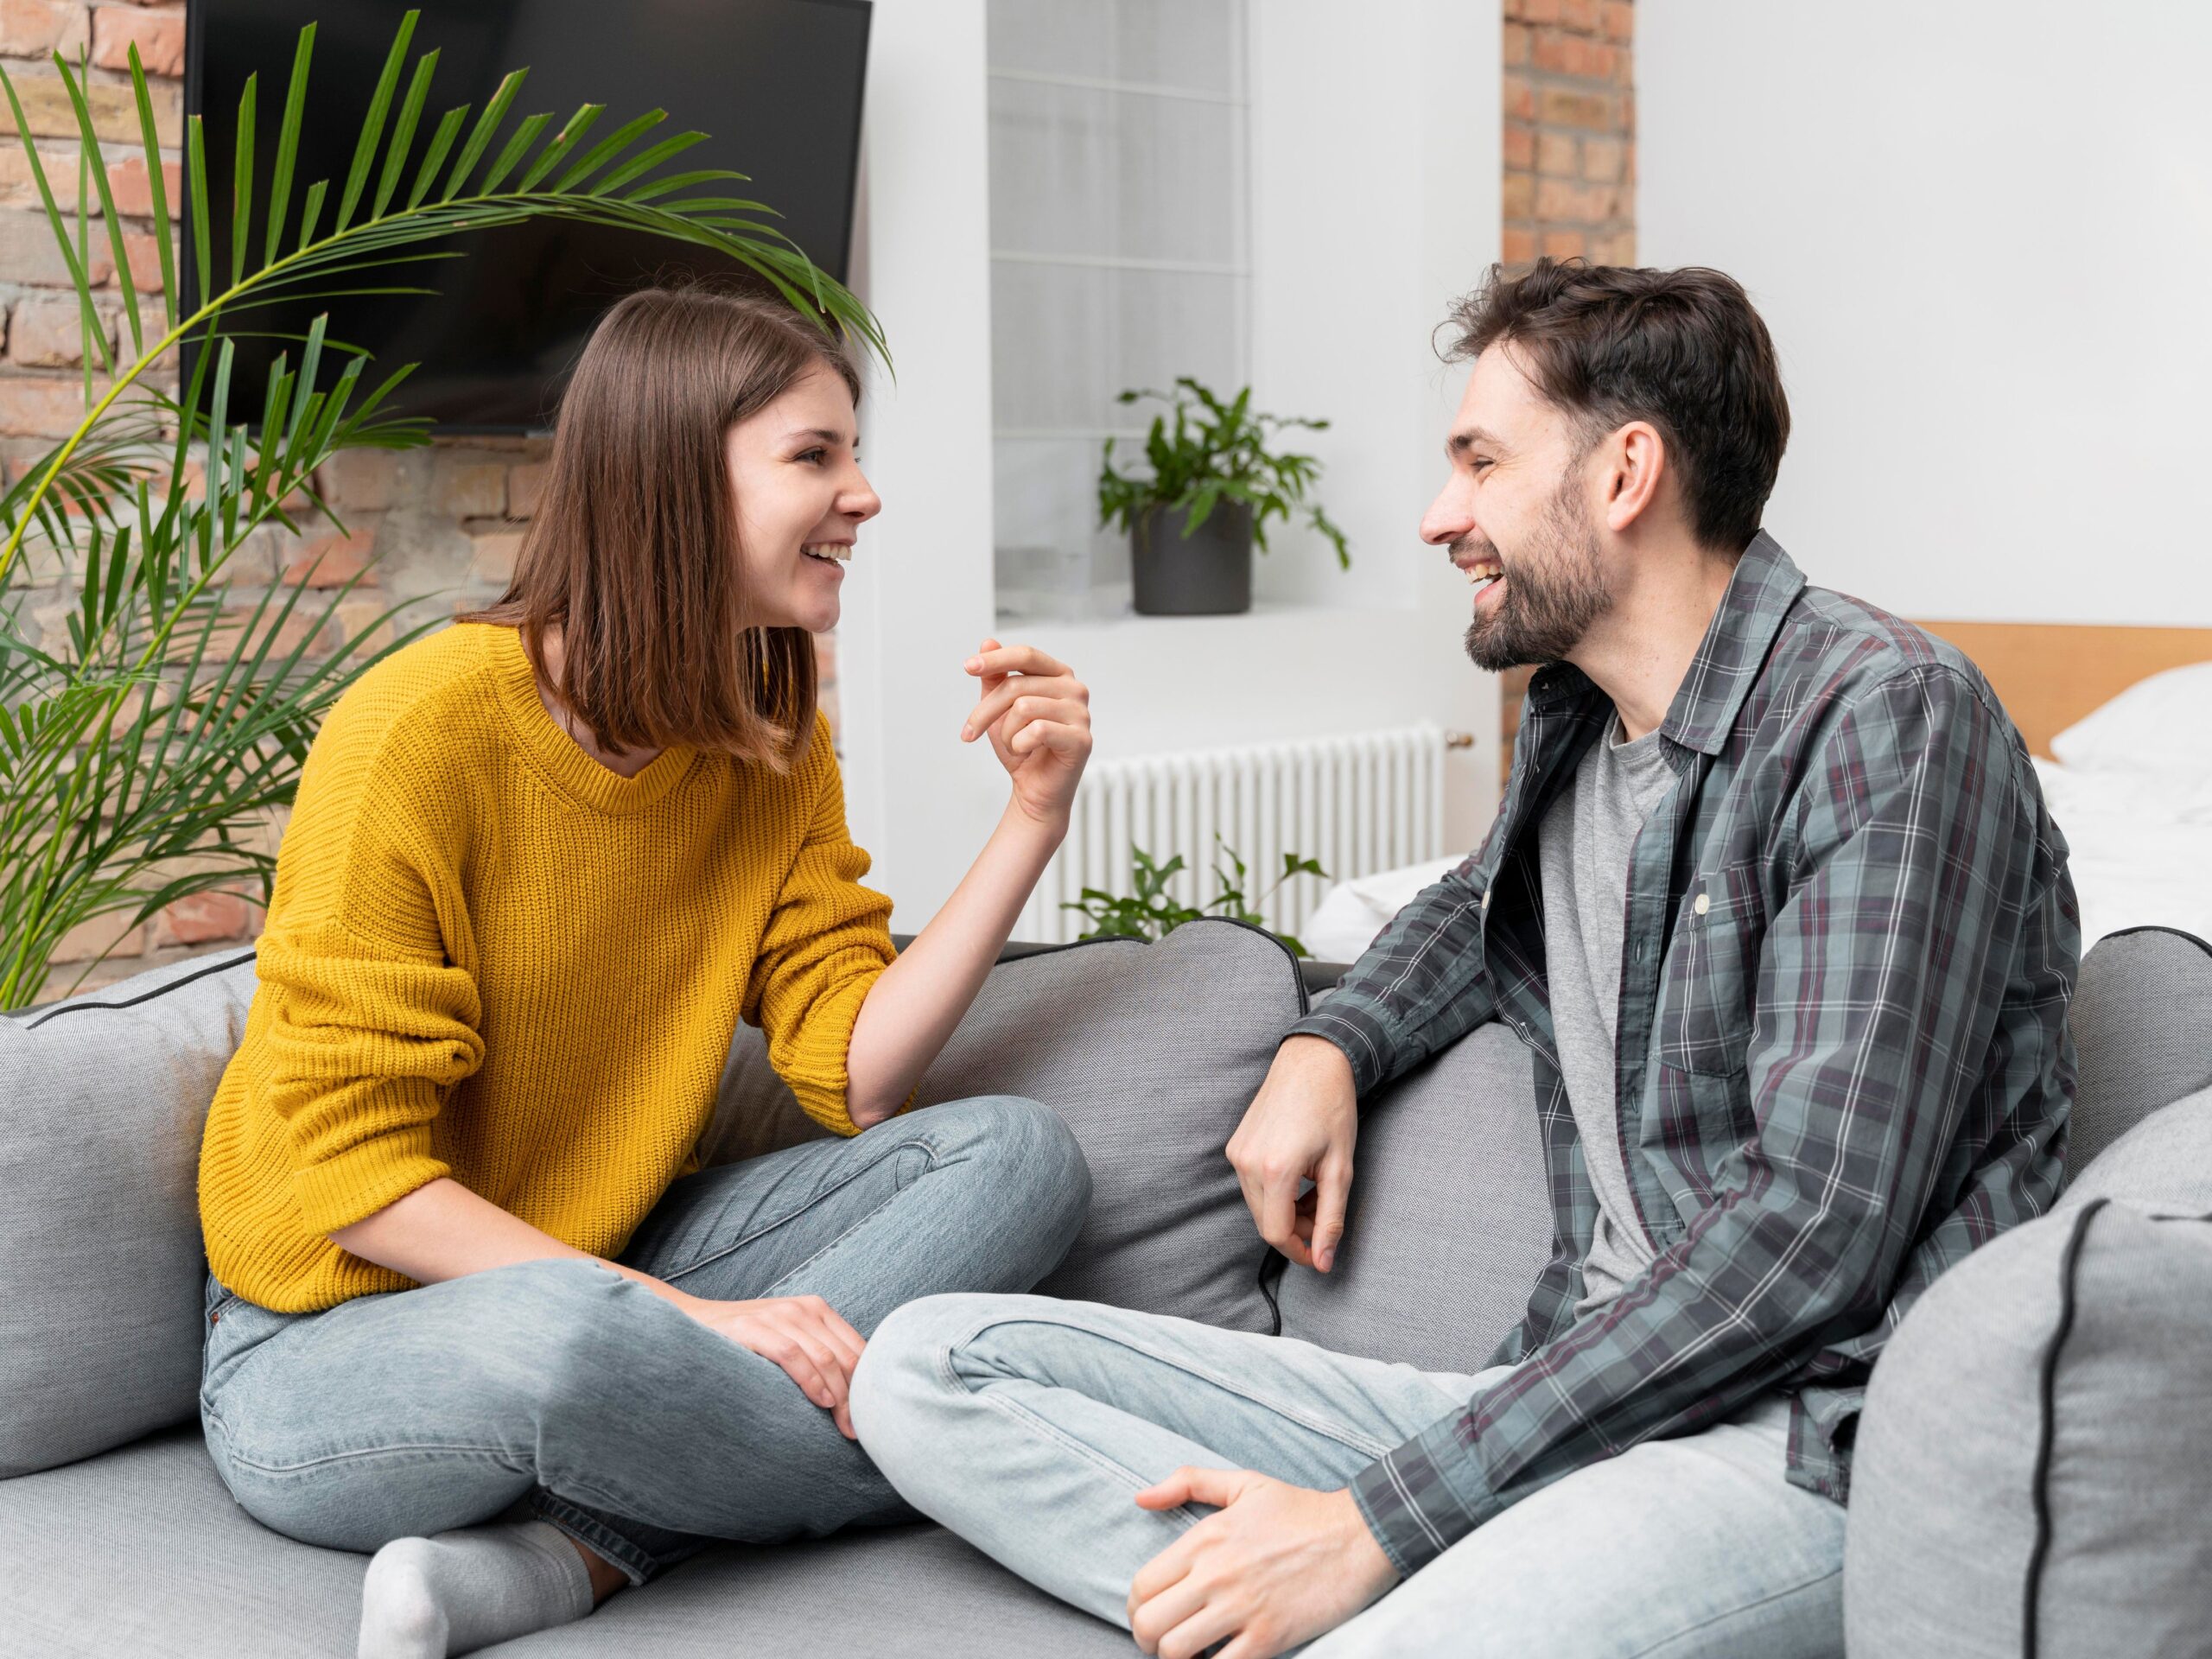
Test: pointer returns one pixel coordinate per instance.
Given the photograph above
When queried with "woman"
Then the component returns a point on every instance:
(463, 1258)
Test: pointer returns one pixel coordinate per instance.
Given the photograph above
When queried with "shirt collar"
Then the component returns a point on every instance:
(1763, 585)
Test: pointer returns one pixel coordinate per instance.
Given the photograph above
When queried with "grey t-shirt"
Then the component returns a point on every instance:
(1583, 850)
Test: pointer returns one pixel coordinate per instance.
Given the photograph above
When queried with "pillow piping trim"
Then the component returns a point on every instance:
(178, 983)
(2181, 933)
(2069, 1262)
(1298, 978)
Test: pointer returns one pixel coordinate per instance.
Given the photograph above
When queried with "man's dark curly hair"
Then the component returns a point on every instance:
(1682, 349)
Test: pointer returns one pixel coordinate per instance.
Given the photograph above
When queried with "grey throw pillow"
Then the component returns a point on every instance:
(1450, 1217)
(2142, 1024)
(2163, 1163)
(102, 1101)
(1150, 1053)
(2035, 1462)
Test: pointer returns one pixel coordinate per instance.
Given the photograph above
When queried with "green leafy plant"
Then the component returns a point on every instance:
(1152, 912)
(1210, 452)
(141, 755)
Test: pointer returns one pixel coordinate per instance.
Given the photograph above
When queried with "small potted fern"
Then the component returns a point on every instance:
(1212, 485)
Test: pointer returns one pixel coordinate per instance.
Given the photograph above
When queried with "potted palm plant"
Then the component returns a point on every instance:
(141, 753)
(1212, 484)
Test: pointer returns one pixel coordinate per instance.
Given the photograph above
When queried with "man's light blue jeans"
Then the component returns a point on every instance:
(1028, 1425)
(621, 1420)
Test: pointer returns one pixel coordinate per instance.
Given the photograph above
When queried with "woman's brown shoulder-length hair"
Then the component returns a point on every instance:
(633, 551)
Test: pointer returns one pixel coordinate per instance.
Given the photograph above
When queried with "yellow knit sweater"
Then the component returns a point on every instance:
(489, 957)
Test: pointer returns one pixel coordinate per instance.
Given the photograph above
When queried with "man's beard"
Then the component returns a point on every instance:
(1553, 592)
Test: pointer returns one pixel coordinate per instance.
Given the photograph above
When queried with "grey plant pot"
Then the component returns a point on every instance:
(1207, 574)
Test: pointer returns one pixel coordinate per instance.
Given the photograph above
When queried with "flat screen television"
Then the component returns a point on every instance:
(776, 83)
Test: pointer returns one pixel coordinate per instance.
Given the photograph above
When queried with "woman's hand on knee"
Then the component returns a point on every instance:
(804, 1335)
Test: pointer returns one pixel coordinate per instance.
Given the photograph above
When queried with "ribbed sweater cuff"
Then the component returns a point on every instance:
(335, 1192)
(816, 1068)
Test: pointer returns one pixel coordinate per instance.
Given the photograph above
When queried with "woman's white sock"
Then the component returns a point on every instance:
(425, 1598)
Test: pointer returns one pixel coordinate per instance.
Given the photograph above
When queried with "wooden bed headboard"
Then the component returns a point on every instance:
(2048, 675)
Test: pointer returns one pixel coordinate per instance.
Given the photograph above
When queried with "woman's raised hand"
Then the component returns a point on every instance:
(1037, 715)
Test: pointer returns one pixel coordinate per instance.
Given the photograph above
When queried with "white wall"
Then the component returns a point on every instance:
(918, 594)
(1375, 178)
(1374, 186)
(1981, 233)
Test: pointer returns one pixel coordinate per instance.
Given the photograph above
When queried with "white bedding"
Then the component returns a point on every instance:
(2140, 844)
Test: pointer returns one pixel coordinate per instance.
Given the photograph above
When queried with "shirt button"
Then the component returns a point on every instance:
(1485, 898)
(1639, 953)
(1704, 903)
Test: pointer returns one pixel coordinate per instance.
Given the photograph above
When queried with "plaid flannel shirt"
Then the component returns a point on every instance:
(1842, 1060)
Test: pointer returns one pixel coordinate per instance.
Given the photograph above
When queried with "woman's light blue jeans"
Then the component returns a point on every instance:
(1028, 1425)
(622, 1420)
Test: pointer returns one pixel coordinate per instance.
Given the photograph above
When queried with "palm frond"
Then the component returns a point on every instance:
(173, 718)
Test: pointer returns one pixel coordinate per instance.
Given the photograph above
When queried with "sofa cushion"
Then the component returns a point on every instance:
(102, 1098)
(143, 1552)
(2142, 1025)
(2163, 1163)
(1150, 1052)
(2035, 1460)
(1450, 1220)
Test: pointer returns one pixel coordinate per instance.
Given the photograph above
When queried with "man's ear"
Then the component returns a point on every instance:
(1637, 457)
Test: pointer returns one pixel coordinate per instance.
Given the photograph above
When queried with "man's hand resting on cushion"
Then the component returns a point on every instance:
(1276, 1565)
(1300, 1126)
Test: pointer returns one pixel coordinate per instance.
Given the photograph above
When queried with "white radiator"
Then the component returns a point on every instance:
(1356, 805)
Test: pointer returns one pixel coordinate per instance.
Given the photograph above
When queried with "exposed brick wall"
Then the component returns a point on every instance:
(1570, 130)
(447, 520)
(1570, 164)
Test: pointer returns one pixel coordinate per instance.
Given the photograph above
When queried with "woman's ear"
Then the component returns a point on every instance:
(1638, 458)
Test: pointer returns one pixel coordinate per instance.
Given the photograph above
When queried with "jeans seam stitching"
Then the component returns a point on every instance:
(896, 1194)
(1360, 1443)
(785, 1220)
(1081, 1449)
(615, 1502)
(637, 1564)
(490, 1454)
(1708, 1622)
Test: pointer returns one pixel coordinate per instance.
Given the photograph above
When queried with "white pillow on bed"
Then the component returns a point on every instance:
(2161, 724)
(1352, 913)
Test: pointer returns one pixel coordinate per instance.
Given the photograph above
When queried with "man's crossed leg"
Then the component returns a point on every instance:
(1029, 1426)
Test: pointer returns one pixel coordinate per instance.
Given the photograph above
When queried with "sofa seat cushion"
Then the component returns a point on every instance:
(1450, 1220)
(1150, 1053)
(142, 1551)
(2035, 1445)
(102, 1101)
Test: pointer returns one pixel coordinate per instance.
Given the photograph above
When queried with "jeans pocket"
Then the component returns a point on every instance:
(234, 1327)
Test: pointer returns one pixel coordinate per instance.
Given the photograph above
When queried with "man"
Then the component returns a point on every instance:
(1773, 898)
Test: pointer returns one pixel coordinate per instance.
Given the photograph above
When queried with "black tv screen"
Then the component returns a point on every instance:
(776, 83)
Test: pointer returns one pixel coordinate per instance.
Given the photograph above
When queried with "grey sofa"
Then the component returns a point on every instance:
(2012, 1488)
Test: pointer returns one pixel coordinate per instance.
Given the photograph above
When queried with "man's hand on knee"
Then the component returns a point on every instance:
(1277, 1565)
(1300, 1126)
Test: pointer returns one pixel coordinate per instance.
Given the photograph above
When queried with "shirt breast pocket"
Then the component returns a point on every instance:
(1706, 1001)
